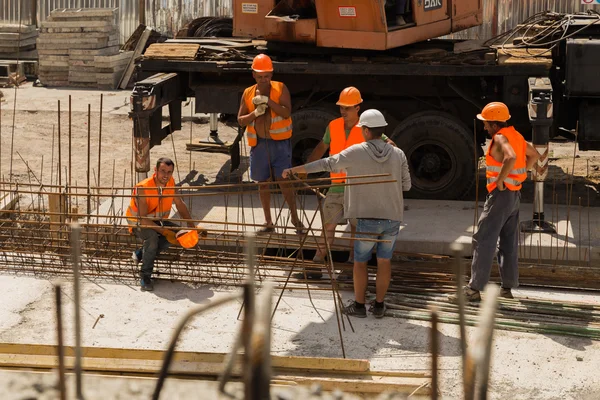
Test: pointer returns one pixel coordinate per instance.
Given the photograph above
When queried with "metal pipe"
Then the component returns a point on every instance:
(76, 256)
(60, 347)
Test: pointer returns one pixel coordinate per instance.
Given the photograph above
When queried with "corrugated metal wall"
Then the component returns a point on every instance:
(509, 13)
(166, 16)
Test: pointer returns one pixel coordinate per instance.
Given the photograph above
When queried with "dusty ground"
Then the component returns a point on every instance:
(526, 366)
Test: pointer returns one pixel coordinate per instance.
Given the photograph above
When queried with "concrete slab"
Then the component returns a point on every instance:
(525, 365)
(430, 226)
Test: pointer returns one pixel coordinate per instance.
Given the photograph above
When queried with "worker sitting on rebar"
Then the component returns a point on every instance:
(265, 111)
(340, 134)
(147, 214)
(507, 160)
(378, 207)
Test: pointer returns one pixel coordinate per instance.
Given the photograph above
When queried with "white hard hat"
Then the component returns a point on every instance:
(372, 119)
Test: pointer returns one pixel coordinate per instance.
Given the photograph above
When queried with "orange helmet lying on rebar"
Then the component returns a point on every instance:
(494, 111)
(188, 239)
(349, 97)
(262, 63)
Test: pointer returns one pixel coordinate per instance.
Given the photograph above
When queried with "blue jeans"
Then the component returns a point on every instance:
(153, 244)
(380, 229)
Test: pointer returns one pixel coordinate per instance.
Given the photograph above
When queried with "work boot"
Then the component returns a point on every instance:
(146, 284)
(468, 293)
(400, 20)
(506, 293)
(355, 309)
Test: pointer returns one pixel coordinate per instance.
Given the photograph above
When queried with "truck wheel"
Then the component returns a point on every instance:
(440, 154)
(308, 130)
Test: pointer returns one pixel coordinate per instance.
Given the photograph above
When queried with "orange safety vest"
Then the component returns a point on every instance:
(339, 142)
(281, 128)
(159, 203)
(519, 172)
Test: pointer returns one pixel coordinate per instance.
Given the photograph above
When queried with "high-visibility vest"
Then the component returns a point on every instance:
(281, 128)
(519, 172)
(159, 204)
(339, 142)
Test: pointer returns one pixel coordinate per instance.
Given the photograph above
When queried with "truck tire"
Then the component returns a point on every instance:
(440, 153)
(309, 126)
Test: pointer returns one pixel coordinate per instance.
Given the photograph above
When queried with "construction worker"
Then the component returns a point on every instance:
(378, 207)
(265, 111)
(508, 159)
(147, 217)
(340, 134)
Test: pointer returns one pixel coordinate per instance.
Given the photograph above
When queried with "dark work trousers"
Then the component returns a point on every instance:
(400, 7)
(153, 244)
(499, 220)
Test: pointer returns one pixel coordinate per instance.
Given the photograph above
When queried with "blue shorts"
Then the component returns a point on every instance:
(269, 158)
(386, 229)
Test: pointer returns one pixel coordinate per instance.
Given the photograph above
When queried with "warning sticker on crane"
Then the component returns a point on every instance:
(250, 8)
(347, 12)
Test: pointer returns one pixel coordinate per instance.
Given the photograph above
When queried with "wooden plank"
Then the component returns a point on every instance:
(78, 29)
(78, 39)
(289, 362)
(75, 24)
(111, 35)
(172, 51)
(98, 44)
(139, 48)
(16, 44)
(16, 28)
(105, 51)
(15, 37)
(69, 13)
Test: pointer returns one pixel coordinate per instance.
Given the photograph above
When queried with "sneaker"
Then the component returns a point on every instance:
(311, 274)
(136, 256)
(354, 311)
(469, 294)
(378, 312)
(506, 293)
(300, 229)
(146, 284)
(400, 20)
(266, 229)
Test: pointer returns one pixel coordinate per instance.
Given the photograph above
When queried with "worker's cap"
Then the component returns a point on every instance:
(187, 239)
(495, 111)
(262, 63)
(372, 119)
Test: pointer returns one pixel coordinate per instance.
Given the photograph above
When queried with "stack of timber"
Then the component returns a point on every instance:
(69, 42)
(17, 41)
(109, 69)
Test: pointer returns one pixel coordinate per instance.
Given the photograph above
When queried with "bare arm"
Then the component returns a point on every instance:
(531, 156)
(284, 108)
(509, 158)
(318, 152)
(245, 117)
(183, 211)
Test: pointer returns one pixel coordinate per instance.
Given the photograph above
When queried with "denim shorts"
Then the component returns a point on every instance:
(380, 229)
(269, 158)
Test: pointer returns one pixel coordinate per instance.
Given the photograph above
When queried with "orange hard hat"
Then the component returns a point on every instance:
(349, 97)
(188, 239)
(494, 111)
(262, 63)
